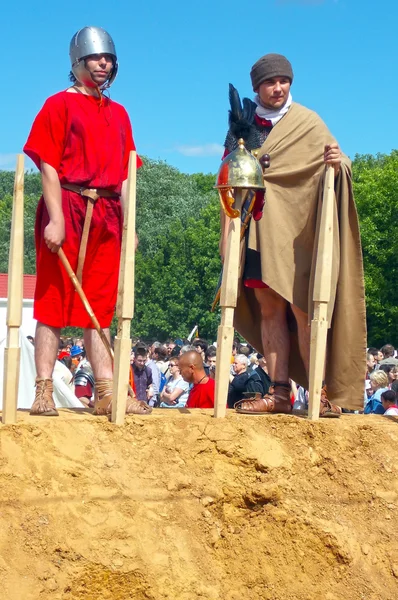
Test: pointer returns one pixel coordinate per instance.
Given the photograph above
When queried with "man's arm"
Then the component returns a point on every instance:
(54, 233)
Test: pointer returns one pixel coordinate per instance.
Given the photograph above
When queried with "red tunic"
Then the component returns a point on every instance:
(202, 395)
(89, 145)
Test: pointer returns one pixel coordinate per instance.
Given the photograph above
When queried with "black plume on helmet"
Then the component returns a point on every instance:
(240, 119)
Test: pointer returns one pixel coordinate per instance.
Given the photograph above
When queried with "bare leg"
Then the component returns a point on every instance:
(304, 336)
(46, 349)
(276, 347)
(97, 354)
(274, 333)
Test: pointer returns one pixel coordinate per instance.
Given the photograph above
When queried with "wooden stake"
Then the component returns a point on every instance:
(125, 301)
(228, 299)
(12, 352)
(322, 290)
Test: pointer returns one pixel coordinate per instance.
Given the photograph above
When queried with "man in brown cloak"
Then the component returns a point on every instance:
(275, 295)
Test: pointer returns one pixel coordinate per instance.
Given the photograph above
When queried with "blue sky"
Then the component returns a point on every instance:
(177, 58)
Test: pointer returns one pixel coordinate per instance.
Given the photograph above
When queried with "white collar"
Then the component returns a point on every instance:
(270, 114)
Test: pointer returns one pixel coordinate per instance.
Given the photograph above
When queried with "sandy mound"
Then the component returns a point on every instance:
(186, 507)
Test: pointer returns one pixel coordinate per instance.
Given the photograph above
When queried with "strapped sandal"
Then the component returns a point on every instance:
(327, 409)
(103, 397)
(44, 405)
(137, 407)
(277, 400)
(103, 400)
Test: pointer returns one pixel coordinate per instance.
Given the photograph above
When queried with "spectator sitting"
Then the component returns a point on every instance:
(175, 393)
(156, 376)
(392, 376)
(388, 355)
(160, 358)
(389, 402)
(200, 346)
(394, 386)
(238, 382)
(259, 381)
(142, 375)
(370, 363)
(378, 384)
(247, 350)
(211, 359)
(375, 353)
(192, 371)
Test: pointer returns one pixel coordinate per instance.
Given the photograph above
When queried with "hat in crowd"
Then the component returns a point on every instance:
(62, 354)
(76, 350)
(268, 66)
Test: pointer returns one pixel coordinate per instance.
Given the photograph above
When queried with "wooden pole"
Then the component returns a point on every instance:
(228, 299)
(85, 301)
(125, 301)
(322, 290)
(12, 352)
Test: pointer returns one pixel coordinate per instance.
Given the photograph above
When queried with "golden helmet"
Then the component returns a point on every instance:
(240, 169)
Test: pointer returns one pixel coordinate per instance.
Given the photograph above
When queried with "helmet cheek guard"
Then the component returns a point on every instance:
(83, 75)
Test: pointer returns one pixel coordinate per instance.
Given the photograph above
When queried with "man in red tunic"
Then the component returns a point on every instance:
(80, 141)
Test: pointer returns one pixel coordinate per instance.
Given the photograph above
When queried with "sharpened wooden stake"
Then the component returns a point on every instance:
(12, 352)
(228, 300)
(125, 300)
(322, 290)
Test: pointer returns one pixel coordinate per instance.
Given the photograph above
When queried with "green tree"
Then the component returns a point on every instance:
(175, 286)
(376, 194)
(165, 195)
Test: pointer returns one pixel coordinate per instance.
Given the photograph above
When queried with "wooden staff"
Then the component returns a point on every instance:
(228, 299)
(12, 352)
(125, 300)
(322, 290)
(86, 303)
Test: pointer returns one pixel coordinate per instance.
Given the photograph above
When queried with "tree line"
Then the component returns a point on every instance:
(177, 262)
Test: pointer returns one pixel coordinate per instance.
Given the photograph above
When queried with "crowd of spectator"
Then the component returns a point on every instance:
(179, 373)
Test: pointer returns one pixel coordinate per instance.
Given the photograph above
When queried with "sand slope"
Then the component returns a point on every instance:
(186, 507)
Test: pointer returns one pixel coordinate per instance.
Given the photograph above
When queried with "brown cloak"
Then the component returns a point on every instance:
(286, 237)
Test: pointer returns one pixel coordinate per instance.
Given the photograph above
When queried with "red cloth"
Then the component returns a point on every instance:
(88, 144)
(202, 395)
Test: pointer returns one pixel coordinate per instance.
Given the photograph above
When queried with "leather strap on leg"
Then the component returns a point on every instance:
(44, 402)
(103, 397)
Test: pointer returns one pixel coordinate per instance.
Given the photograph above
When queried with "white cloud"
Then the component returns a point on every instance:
(204, 150)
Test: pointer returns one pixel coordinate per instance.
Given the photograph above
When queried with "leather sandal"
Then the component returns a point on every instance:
(103, 400)
(137, 407)
(277, 400)
(44, 405)
(327, 409)
(103, 397)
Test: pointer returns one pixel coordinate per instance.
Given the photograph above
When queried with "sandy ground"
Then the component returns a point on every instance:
(186, 507)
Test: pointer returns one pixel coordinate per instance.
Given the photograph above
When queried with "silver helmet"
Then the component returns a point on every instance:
(87, 41)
